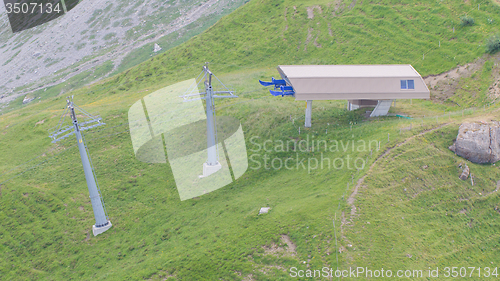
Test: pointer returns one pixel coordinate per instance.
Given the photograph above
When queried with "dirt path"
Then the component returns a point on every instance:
(352, 197)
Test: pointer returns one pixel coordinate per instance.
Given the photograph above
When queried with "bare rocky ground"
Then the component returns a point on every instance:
(90, 34)
(444, 85)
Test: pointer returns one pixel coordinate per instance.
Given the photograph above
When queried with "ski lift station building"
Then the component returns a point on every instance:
(361, 85)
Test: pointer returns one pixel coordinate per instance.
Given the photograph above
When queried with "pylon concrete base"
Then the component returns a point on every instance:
(210, 169)
(98, 230)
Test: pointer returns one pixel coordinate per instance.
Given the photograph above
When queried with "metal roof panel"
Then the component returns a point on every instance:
(347, 71)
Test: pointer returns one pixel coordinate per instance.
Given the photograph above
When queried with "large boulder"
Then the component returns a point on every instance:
(478, 142)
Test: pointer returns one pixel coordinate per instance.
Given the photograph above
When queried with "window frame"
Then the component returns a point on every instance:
(405, 84)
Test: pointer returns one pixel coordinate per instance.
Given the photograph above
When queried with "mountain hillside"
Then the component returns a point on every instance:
(431, 37)
(109, 35)
(403, 208)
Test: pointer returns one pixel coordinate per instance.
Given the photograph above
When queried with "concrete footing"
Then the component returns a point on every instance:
(98, 230)
(210, 169)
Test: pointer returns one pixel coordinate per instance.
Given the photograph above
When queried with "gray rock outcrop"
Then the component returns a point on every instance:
(27, 100)
(478, 142)
(156, 48)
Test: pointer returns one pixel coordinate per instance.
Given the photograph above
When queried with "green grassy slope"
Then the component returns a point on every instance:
(414, 213)
(46, 217)
(266, 33)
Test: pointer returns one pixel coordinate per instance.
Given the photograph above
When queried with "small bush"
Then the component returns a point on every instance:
(493, 44)
(467, 21)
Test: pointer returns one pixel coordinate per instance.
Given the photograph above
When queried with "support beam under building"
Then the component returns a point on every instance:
(352, 106)
(382, 108)
(308, 113)
(355, 104)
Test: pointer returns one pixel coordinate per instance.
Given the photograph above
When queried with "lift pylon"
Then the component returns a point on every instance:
(102, 222)
(212, 165)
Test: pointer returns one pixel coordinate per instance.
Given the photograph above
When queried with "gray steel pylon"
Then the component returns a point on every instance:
(212, 165)
(211, 120)
(101, 220)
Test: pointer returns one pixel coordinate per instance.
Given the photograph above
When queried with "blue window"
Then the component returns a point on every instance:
(407, 84)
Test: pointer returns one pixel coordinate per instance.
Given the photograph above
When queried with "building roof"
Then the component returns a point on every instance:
(348, 71)
(348, 82)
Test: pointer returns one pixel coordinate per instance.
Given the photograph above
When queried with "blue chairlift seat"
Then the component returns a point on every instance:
(274, 82)
(279, 84)
(282, 93)
(278, 81)
(265, 84)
